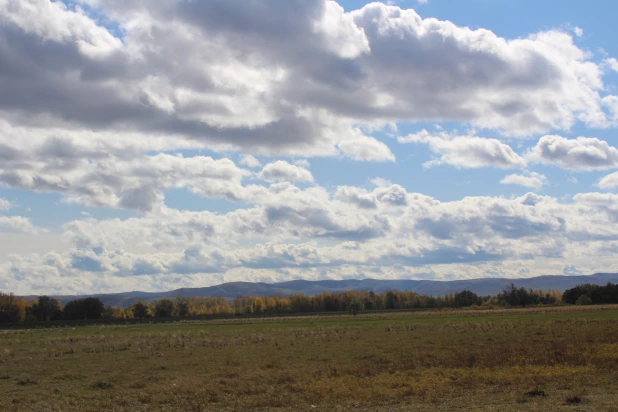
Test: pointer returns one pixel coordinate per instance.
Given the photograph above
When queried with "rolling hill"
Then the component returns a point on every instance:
(485, 286)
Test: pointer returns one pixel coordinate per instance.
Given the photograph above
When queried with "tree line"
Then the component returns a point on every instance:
(45, 308)
(588, 294)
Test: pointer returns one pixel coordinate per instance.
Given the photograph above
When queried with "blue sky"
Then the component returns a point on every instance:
(155, 146)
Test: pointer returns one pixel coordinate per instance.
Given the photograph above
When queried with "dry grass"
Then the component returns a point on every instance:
(561, 359)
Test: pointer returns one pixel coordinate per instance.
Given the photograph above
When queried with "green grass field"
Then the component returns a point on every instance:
(533, 359)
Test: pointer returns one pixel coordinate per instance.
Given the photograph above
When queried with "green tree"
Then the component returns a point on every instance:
(46, 309)
(390, 300)
(466, 298)
(512, 296)
(583, 300)
(164, 308)
(354, 307)
(9, 308)
(89, 308)
(140, 310)
(182, 306)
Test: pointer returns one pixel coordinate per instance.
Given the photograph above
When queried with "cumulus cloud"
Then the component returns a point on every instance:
(106, 175)
(597, 199)
(392, 194)
(284, 171)
(250, 161)
(530, 179)
(356, 196)
(583, 153)
(302, 163)
(366, 148)
(268, 86)
(611, 102)
(466, 151)
(100, 117)
(403, 232)
(16, 224)
(612, 63)
(4, 204)
(608, 182)
(386, 195)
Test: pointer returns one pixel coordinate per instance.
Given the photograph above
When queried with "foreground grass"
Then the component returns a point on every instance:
(558, 359)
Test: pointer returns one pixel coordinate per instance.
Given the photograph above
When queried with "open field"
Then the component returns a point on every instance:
(532, 359)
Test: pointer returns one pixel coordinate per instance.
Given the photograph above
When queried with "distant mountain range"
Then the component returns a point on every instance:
(483, 287)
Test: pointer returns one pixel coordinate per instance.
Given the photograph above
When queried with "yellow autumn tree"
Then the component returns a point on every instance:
(258, 305)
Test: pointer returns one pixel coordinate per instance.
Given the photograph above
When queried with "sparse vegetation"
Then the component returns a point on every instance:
(472, 359)
(101, 385)
(573, 400)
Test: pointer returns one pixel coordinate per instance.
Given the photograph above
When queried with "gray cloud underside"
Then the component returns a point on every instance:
(240, 75)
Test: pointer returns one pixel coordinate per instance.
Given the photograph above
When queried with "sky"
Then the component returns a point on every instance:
(157, 145)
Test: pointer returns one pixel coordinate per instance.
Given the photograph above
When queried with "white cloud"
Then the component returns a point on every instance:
(583, 153)
(4, 204)
(250, 161)
(99, 120)
(608, 182)
(579, 32)
(55, 22)
(16, 224)
(611, 102)
(302, 163)
(102, 174)
(597, 199)
(281, 171)
(356, 196)
(612, 63)
(380, 182)
(361, 147)
(531, 179)
(466, 151)
(343, 37)
(405, 233)
(267, 88)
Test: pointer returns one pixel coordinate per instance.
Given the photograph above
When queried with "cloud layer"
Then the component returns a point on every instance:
(242, 77)
(115, 104)
(382, 232)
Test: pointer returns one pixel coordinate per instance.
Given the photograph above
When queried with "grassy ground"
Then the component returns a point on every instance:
(546, 359)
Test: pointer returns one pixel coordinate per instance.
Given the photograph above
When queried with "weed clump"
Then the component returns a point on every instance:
(27, 382)
(101, 385)
(573, 400)
(536, 393)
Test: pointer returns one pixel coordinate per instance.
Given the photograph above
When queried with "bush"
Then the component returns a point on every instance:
(354, 308)
(573, 400)
(583, 300)
(101, 385)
